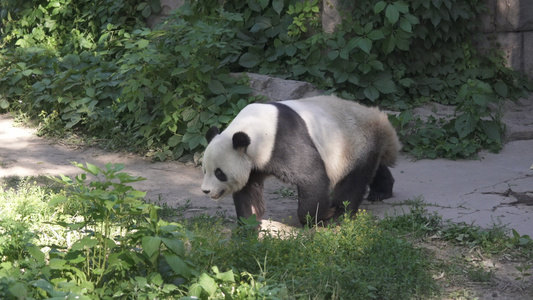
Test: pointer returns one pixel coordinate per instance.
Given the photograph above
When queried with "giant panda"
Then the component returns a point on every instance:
(323, 145)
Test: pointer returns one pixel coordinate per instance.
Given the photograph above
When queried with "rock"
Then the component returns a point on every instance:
(276, 89)
(518, 117)
(167, 6)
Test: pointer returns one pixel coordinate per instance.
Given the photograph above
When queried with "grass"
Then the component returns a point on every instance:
(414, 255)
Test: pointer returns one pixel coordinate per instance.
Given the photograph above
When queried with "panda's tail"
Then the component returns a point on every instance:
(387, 141)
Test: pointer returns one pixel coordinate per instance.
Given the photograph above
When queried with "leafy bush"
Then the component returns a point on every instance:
(94, 68)
(148, 90)
(397, 54)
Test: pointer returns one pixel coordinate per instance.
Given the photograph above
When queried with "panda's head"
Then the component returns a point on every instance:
(225, 165)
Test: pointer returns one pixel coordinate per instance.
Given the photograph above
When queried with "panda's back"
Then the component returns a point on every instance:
(343, 131)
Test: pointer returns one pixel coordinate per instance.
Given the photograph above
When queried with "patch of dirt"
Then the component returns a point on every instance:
(178, 185)
(465, 273)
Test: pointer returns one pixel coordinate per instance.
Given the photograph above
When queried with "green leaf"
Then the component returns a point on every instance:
(277, 5)
(151, 245)
(365, 44)
(501, 89)
(188, 114)
(290, 50)
(263, 3)
(392, 14)
(379, 7)
(4, 104)
(240, 89)
(385, 85)
(216, 87)
(226, 276)
(376, 65)
(401, 6)
(332, 55)
(298, 70)
(208, 284)
(57, 264)
(175, 245)
(371, 93)
(178, 265)
(492, 130)
(344, 54)
(174, 140)
(84, 243)
(142, 6)
(143, 43)
(406, 25)
(376, 35)
(19, 290)
(389, 44)
(249, 60)
(57, 199)
(465, 124)
(147, 11)
(94, 170)
(35, 252)
(194, 293)
(90, 92)
(261, 23)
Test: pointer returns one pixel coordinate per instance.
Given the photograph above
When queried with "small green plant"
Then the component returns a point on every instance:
(286, 192)
(306, 13)
(111, 227)
(415, 221)
(491, 240)
(523, 272)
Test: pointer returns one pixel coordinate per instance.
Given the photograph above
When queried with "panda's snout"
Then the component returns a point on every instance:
(206, 191)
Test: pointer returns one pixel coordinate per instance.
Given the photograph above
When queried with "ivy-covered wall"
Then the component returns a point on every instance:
(508, 24)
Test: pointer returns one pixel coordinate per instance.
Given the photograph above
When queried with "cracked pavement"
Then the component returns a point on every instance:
(496, 189)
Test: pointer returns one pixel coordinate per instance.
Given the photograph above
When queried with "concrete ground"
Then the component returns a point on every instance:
(495, 189)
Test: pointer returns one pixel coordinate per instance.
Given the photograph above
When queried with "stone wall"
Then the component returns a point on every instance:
(508, 24)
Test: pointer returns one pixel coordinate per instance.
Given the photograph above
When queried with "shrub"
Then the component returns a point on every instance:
(101, 73)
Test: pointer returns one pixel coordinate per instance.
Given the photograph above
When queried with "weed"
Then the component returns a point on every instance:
(168, 212)
(523, 272)
(493, 240)
(416, 221)
(479, 274)
(286, 192)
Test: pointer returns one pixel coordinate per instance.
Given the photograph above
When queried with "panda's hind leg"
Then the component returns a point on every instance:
(381, 186)
(352, 188)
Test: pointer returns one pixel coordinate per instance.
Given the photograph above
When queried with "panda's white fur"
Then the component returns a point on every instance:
(237, 165)
(345, 134)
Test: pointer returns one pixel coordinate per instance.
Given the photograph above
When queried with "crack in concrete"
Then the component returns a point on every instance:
(498, 183)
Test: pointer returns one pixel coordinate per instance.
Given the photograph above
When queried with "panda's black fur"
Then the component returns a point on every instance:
(294, 158)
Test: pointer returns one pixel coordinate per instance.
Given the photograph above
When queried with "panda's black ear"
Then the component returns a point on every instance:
(211, 133)
(240, 141)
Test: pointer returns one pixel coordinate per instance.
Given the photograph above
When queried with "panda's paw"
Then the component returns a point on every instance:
(378, 196)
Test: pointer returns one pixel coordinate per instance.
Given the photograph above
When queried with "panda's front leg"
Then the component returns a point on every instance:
(249, 200)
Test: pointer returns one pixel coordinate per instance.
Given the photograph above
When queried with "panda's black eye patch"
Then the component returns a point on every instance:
(220, 175)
